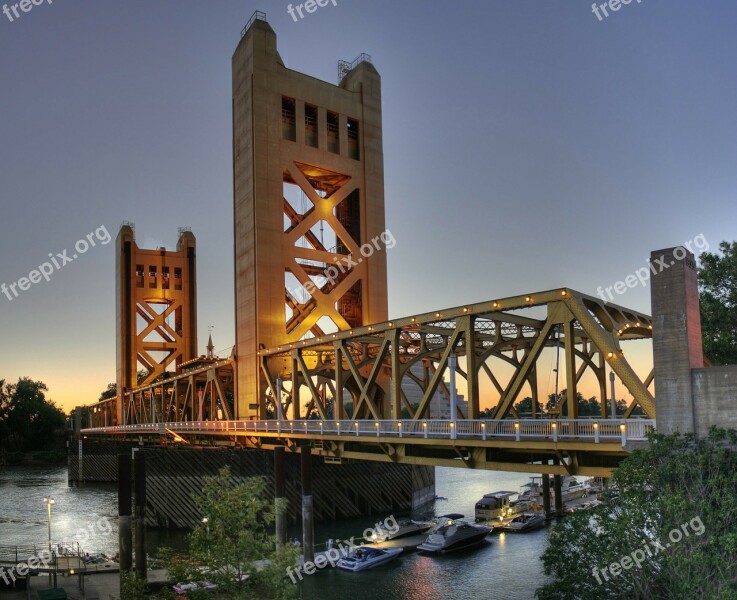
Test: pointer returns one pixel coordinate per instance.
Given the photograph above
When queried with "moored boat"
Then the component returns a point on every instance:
(453, 533)
(500, 505)
(525, 522)
(366, 557)
(405, 528)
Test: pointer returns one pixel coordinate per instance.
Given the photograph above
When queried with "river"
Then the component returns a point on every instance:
(506, 567)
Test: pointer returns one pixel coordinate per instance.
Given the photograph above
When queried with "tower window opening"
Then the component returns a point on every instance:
(353, 144)
(311, 125)
(333, 133)
(289, 119)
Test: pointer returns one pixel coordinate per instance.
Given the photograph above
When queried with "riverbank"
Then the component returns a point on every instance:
(36, 458)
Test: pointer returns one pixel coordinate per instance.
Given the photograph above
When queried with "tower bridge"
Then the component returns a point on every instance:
(318, 367)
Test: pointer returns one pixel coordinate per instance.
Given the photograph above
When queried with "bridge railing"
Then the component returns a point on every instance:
(596, 430)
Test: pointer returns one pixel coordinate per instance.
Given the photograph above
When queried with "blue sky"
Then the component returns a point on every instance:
(528, 145)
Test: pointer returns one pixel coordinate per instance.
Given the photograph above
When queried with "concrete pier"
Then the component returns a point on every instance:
(546, 495)
(308, 522)
(280, 496)
(140, 514)
(125, 533)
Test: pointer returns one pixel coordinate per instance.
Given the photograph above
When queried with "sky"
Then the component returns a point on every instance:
(527, 146)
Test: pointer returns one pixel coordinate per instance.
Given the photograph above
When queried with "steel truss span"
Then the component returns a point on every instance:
(372, 364)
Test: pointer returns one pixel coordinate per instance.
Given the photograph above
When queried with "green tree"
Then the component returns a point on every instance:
(718, 300)
(30, 417)
(4, 412)
(233, 545)
(524, 407)
(678, 492)
(110, 392)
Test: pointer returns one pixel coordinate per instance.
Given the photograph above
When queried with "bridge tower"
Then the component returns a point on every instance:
(156, 309)
(308, 204)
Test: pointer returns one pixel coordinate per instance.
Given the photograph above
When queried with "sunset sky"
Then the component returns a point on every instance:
(528, 146)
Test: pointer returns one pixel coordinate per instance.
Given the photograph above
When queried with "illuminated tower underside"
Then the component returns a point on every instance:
(309, 197)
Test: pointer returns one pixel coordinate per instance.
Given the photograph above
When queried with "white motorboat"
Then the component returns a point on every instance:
(405, 528)
(453, 533)
(500, 505)
(182, 588)
(366, 557)
(525, 522)
(570, 488)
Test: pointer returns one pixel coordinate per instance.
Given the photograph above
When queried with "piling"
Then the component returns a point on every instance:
(125, 533)
(280, 495)
(546, 495)
(308, 523)
(140, 514)
(558, 494)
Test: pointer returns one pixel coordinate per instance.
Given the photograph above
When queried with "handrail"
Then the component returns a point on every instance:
(258, 15)
(596, 430)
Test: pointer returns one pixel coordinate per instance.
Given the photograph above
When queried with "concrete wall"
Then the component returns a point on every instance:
(689, 398)
(677, 346)
(715, 398)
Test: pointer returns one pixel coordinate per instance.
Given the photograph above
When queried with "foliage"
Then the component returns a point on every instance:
(28, 420)
(132, 588)
(676, 483)
(718, 300)
(110, 392)
(233, 549)
(524, 407)
(586, 408)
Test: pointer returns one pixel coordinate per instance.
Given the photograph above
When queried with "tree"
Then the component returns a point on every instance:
(4, 412)
(670, 527)
(30, 417)
(718, 300)
(524, 407)
(110, 392)
(240, 556)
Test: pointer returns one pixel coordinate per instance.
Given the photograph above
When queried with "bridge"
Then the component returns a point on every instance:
(495, 345)
(319, 368)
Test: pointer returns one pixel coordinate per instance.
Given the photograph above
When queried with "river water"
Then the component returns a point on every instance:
(505, 567)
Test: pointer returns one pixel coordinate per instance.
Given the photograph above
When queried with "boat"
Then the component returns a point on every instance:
(405, 528)
(182, 588)
(570, 489)
(525, 522)
(366, 557)
(453, 533)
(500, 505)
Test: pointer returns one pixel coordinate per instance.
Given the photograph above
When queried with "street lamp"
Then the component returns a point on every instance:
(48, 502)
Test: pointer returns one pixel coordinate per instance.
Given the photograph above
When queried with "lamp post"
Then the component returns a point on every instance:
(48, 502)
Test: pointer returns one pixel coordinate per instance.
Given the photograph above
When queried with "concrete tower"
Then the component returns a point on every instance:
(677, 343)
(156, 308)
(308, 196)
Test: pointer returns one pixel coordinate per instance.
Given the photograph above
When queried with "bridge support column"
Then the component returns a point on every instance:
(140, 515)
(557, 490)
(280, 497)
(125, 533)
(546, 495)
(308, 523)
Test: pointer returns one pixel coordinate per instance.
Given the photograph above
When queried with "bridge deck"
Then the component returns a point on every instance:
(575, 446)
(447, 431)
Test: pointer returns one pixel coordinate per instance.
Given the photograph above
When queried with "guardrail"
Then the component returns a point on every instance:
(598, 431)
